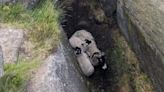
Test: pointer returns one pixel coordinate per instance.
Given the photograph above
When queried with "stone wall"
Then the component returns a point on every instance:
(142, 23)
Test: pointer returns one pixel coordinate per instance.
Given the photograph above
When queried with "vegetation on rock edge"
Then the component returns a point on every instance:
(42, 27)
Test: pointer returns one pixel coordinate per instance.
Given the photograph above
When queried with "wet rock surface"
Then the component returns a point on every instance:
(142, 23)
(11, 40)
(1, 63)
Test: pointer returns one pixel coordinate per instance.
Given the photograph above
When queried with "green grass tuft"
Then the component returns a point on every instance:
(42, 28)
(16, 76)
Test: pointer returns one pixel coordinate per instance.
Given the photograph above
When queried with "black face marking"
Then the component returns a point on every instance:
(101, 62)
(77, 50)
(103, 58)
(88, 41)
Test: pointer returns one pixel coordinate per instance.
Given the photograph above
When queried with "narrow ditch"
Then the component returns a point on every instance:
(80, 14)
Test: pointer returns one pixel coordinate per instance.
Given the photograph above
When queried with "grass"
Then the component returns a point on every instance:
(16, 76)
(42, 27)
(42, 22)
(119, 65)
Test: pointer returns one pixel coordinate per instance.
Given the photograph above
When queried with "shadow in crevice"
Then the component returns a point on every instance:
(80, 17)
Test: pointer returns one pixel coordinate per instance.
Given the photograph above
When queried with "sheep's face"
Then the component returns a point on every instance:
(98, 58)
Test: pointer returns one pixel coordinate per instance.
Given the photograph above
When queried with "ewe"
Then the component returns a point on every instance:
(77, 44)
(82, 58)
(90, 47)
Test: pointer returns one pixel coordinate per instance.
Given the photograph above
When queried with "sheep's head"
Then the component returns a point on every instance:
(99, 59)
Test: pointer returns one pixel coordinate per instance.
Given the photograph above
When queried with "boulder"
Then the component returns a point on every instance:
(142, 23)
(11, 40)
(1, 63)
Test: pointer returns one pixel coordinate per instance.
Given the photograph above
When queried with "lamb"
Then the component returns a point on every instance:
(85, 64)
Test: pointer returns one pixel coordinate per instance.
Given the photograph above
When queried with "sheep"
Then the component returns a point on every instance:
(87, 38)
(85, 64)
(97, 57)
(83, 41)
(82, 58)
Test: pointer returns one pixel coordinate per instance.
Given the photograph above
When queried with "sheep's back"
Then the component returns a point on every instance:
(83, 34)
(85, 64)
(75, 42)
